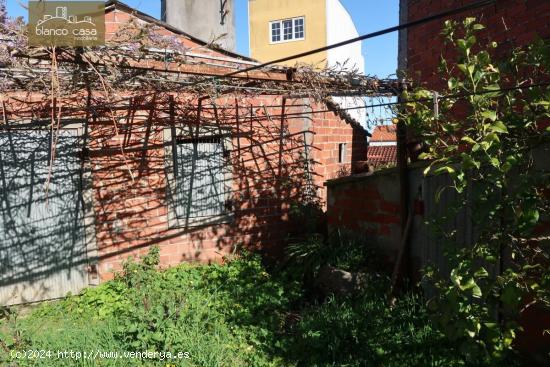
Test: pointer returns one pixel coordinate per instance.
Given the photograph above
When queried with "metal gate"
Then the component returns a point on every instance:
(443, 215)
(43, 249)
(439, 197)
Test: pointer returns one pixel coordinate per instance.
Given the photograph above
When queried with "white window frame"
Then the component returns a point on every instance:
(271, 32)
(282, 31)
(342, 152)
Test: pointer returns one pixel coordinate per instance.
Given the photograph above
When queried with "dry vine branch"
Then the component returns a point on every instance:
(53, 138)
(113, 119)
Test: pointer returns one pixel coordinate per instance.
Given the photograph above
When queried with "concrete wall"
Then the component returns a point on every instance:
(340, 27)
(368, 204)
(202, 19)
(326, 22)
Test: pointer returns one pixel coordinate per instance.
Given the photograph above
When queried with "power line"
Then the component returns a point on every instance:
(478, 4)
(447, 13)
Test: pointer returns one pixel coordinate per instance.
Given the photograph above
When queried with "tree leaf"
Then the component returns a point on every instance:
(468, 162)
(476, 291)
(481, 273)
(467, 139)
(499, 127)
(424, 156)
(447, 169)
(528, 219)
(491, 138)
(471, 69)
(489, 115)
(455, 277)
(510, 295)
(452, 83)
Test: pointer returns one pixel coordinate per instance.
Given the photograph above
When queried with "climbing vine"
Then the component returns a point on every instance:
(487, 134)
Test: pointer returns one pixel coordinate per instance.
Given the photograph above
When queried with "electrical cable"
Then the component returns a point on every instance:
(447, 13)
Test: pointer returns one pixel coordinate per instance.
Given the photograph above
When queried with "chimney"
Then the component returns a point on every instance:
(207, 20)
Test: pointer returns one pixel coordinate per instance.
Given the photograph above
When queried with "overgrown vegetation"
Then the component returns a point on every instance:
(221, 315)
(243, 314)
(485, 139)
(237, 314)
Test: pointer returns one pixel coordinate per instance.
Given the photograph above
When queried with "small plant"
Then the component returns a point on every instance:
(364, 331)
(341, 248)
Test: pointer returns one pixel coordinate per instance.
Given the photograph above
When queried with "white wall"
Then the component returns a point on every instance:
(340, 27)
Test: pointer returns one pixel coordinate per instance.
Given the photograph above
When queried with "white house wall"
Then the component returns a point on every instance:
(340, 27)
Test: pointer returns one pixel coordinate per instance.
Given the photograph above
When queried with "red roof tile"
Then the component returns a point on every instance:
(382, 155)
(384, 133)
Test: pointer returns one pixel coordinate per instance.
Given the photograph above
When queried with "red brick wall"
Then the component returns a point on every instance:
(511, 23)
(268, 173)
(128, 175)
(368, 205)
(330, 132)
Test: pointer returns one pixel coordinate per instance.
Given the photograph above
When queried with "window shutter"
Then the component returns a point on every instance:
(43, 251)
(200, 186)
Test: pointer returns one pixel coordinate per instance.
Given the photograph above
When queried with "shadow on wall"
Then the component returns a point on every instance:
(234, 180)
(198, 177)
(42, 232)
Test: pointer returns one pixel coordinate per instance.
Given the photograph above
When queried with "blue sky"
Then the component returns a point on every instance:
(369, 16)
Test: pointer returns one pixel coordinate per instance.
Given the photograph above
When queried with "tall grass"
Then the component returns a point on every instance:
(237, 314)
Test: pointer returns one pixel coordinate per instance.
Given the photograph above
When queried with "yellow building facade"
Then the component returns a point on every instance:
(265, 16)
(280, 28)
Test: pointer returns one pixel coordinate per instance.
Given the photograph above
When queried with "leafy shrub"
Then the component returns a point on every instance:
(487, 152)
(221, 314)
(341, 248)
(364, 331)
(236, 314)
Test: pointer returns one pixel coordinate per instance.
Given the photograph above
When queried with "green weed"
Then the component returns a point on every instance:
(237, 314)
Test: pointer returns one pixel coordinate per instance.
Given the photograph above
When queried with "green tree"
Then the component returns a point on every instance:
(484, 138)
